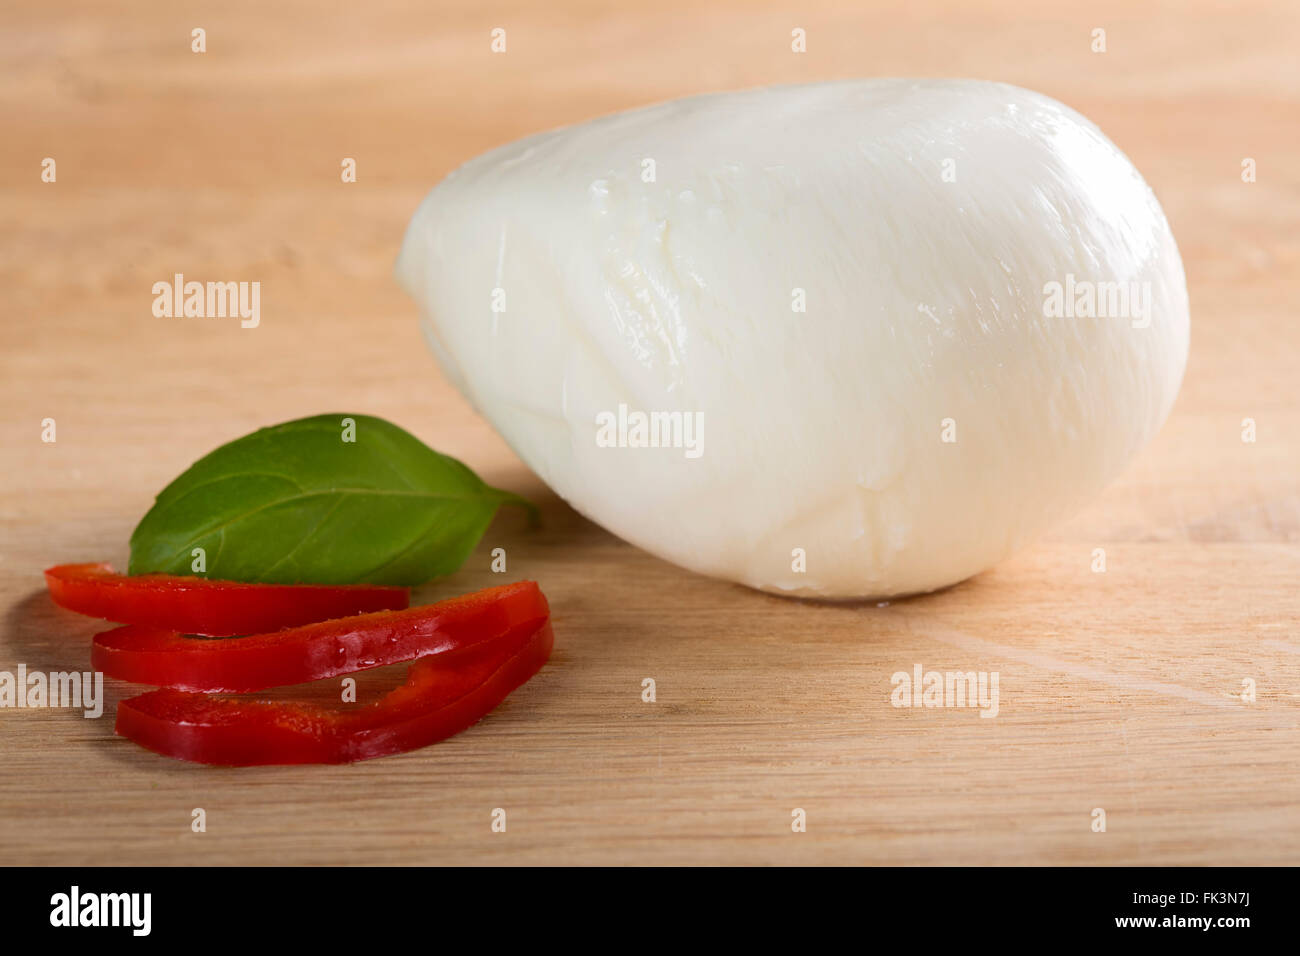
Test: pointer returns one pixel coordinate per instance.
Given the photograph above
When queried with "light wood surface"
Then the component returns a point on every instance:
(1118, 691)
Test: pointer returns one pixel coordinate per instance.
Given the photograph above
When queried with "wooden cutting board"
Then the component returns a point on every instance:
(1120, 691)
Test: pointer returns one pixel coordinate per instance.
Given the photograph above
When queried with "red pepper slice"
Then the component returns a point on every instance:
(442, 696)
(148, 655)
(200, 606)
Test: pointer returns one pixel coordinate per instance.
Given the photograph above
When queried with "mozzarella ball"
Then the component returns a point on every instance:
(840, 340)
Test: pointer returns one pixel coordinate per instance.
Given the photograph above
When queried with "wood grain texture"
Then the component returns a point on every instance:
(1118, 690)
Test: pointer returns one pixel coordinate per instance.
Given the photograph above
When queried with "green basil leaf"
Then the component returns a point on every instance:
(297, 503)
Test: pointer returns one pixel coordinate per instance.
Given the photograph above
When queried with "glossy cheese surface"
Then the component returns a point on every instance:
(850, 290)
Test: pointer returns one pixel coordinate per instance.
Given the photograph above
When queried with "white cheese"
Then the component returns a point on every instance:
(904, 324)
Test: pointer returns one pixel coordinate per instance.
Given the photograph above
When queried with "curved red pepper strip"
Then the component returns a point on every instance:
(297, 655)
(202, 606)
(442, 696)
